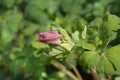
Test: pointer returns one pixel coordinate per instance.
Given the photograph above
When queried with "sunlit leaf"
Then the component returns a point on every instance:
(36, 44)
(75, 36)
(87, 45)
(113, 22)
(89, 59)
(105, 66)
(113, 56)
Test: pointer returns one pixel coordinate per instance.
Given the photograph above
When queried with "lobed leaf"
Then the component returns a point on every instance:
(89, 59)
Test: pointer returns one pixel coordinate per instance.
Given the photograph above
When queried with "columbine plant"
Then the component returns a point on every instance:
(88, 46)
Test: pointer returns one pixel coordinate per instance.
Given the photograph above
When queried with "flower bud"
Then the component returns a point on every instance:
(51, 37)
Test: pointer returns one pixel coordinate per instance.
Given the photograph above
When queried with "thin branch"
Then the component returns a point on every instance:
(109, 77)
(63, 69)
(76, 72)
(94, 74)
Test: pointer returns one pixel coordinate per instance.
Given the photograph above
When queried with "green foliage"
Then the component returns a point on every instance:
(109, 61)
(7, 3)
(91, 30)
(112, 21)
(112, 55)
(105, 66)
(36, 14)
(75, 36)
(13, 20)
(101, 32)
(71, 59)
(89, 59)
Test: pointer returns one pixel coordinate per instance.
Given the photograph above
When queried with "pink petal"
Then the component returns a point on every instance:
(52, 37)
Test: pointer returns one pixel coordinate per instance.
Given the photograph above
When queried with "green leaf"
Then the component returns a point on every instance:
(79, 26)
(34, 11)
(16, 66)
(10, 25)
(30, 67)
(67, 41)
(75, 36)
(58, 53)
(84, 32)
(87, 45)
(98, 9)
(109, 61)
(30, 29)
(75, 8)
(67, 46)
(38, 4)
(71, 59)
(35, 65)
(65, 34)
(104, 3)
(113, 22)
(9, 3)
(88, 59)
(18, 1)
(113, 56)
(55, 52)
(103, 29)
(105, 66)
(53, 6)
(74, 25)
(36, 44)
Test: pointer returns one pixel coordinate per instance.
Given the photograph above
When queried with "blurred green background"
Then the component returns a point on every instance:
(20, 20)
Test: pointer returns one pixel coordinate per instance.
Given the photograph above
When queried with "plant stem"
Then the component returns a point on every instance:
(63, 69)
(109, 77)
(94, 74)
(76, 72)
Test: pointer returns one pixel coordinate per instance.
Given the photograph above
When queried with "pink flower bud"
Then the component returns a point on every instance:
(52, 37)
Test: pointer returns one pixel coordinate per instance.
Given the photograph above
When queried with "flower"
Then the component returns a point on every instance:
(51, 37)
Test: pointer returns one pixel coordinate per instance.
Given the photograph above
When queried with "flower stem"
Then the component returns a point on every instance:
(76, 72)
(94, 74)
(109, 77)
(63, 69)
